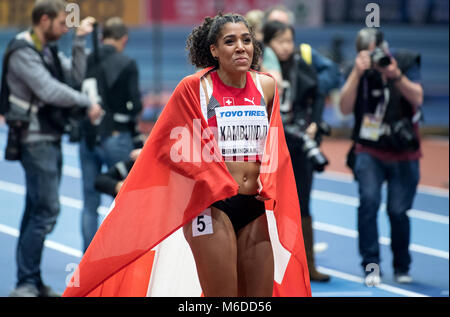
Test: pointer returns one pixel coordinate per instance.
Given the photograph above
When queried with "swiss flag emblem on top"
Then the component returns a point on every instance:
(228, 101)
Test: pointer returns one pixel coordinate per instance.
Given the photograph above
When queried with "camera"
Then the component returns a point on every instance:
(380, 58)
(309, 146)
(16, 128)
(402, 135)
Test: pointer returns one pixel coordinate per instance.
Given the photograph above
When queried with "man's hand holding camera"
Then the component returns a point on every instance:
(390, 72)
(362, 62)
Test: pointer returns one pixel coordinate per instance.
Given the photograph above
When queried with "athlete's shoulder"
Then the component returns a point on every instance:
(268, 83)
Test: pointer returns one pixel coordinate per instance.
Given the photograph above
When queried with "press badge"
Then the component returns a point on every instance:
(202, 224)
(370, 128)
(242, 130)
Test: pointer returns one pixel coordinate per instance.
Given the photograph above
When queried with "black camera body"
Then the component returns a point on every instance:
(15, 132)
(379, 57)
(73, 124)
(402, 136)
(310, 147)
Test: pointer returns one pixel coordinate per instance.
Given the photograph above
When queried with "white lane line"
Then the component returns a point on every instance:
(358, 279)
(71, 171)
(354, 202)
(382, 240)
(78, 204)
(64, 200)
(316, 194)
(75, 172)
(48, 243)
(348, 178)
(77, 253)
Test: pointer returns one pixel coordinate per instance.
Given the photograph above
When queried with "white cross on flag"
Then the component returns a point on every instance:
(228, 101)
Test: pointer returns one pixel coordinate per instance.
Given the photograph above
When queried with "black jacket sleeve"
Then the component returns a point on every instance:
(133, 87)
(106, 182)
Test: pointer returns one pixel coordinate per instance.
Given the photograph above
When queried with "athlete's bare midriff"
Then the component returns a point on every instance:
(246, 175)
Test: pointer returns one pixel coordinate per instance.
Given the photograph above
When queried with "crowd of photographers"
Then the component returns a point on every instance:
(96, 100)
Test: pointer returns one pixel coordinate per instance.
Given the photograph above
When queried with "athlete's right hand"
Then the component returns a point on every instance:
(95, 112)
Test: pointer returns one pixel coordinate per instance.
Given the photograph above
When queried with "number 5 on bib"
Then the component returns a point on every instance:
(202, 224)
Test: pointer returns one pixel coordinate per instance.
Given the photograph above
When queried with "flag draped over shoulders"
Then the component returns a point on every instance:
(178, 174)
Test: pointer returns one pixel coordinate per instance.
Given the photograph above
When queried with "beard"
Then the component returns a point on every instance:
(50, 35)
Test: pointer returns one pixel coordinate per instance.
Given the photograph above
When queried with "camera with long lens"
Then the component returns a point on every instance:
(16, 129)
(402, 135)
(309, 146)
(380, 58)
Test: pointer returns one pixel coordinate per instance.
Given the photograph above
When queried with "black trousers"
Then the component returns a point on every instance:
(303, 173)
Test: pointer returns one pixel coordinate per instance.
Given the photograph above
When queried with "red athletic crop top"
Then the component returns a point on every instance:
(238, 118)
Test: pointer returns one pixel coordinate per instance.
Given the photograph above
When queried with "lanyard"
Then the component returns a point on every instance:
(380, 110)
(36, 41)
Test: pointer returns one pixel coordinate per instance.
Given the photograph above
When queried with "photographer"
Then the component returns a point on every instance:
(112, 78)
(384, 94)
(35, 99)
(307, 79)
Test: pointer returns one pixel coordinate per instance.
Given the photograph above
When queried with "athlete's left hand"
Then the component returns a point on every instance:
(259, 197)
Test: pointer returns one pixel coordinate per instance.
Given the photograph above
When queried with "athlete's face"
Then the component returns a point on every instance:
(234, 48)
(283, 45)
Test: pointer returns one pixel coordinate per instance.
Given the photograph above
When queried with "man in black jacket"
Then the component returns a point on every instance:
(111, 79)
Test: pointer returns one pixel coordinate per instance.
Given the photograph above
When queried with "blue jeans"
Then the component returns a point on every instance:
(110, 151)
(402, 178)
(42, 163)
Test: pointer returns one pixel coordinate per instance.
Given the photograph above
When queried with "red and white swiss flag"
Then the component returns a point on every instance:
(140, 249)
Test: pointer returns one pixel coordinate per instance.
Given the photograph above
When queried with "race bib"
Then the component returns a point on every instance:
(370, 128)
(242, 130)
(202, 224)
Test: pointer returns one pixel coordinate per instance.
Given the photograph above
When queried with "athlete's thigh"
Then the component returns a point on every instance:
(215, 255)
(255, 259)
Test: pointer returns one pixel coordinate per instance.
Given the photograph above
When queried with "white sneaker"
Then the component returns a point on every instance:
(25, 290)
(403, 278)
(372, 280)
(320, 247)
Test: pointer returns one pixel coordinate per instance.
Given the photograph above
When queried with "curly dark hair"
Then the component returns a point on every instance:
(203, 36)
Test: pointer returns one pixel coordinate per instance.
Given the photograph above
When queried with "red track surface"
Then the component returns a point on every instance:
(434, 165)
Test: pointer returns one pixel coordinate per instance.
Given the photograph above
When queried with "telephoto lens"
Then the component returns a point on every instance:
(309, 146)
(313, 153)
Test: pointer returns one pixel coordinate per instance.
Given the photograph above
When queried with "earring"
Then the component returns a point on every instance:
(216, 58)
